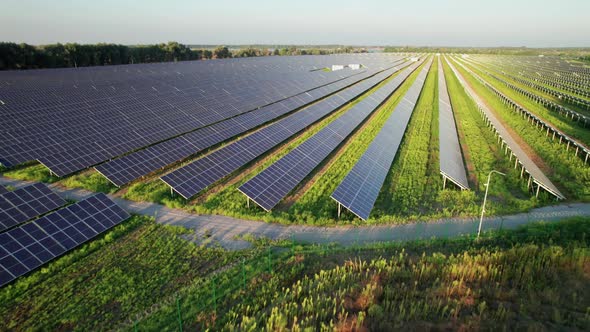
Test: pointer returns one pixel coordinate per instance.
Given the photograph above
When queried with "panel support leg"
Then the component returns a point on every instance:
(248, 202)
(444, 182)
(538, 187)
(339, 209)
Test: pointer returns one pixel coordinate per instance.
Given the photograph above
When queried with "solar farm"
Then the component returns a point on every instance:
(367, 139)
(283, 139)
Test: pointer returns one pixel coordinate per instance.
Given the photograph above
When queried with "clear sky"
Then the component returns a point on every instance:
(533, 23)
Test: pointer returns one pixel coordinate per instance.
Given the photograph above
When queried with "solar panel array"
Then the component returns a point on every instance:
(361, 186)
(133, 166)
(27, 247)
(275, 182)
(26, 203)
(89, 115)
(452, 166)
(535, 172)
(3, 190)
(191, 179)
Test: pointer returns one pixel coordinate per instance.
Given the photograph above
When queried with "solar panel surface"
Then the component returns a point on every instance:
(450, 156)
(27, 247)
(191, 179)
(26, 203)
(268, 187)
(361, 186)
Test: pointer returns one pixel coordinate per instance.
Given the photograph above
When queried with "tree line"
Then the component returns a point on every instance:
(25, 56)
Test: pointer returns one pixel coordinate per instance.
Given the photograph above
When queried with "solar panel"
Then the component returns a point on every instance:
(3, 190)
(27, 247)
(268, 187)
(360, 188)
(26, 203)
(90, 115)
(452, 166)
(131, 167)
(536, 173)
(191, 179)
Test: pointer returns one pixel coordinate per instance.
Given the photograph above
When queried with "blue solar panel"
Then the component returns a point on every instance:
(191, 179)
(275, 182)
(93, 114)
(451, 159)
(361, 186)
(27, 247)
(26, 203)
(3, 190)
(128, 168)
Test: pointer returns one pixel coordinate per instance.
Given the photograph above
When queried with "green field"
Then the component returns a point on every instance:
(142, 275)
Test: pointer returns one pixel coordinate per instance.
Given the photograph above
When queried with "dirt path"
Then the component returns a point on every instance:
(224, 230)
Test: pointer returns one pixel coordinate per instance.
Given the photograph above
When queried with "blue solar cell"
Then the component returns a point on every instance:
(27, 247)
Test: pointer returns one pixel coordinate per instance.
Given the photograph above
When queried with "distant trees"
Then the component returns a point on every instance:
(24, 56)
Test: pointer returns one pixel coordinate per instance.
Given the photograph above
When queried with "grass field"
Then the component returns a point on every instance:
(533, 277)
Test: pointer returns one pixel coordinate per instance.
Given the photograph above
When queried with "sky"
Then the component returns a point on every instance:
(478, 23)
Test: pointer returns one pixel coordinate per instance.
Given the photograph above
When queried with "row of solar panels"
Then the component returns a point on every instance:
(361, 186)
(562, 109)
(452, 166)
(110, 128)
(191, 179)
(130, 167)
(74, 135)
(25, 246)
(269, 187)
(537, 120)
(541, 81)
(528, 164)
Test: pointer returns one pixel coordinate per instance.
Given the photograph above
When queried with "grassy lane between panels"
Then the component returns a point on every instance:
(507, 194)
(568, 171)
(315, 206)
(535, 276)
(410, 189)
(106, 281)
(556, 120)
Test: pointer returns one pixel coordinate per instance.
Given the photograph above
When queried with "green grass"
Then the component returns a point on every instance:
(541, 93)
(535, 276)
(89, 180)
(506, 193)
(37, 173)
(110, 279)
(411, 185)
(568, 171)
